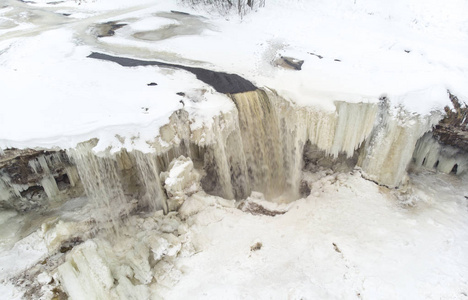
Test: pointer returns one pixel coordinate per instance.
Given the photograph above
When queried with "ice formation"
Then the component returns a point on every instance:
(429, 153)
(257, 146)
(130, 267)
(180, 181)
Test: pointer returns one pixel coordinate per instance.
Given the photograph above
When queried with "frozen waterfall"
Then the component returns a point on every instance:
(259, 145)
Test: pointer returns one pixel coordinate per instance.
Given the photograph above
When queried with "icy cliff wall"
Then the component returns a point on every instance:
(388, 151)
(258, 145)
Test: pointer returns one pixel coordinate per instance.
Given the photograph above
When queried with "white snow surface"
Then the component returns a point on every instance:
(52, 95)
(350, 240)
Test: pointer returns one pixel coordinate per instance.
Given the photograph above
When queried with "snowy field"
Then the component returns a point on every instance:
(409, 51)
(350, 239)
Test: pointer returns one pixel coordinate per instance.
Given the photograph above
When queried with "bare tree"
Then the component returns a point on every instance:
(223, 7)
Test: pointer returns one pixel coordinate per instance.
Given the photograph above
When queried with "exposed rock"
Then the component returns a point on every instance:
(289, 63)
(108, 28)
(453, 129)
(257, 205)
(257, 209)
(15, 163)
(304, 189)
(317, 55)
(257, 246)
(179, 12)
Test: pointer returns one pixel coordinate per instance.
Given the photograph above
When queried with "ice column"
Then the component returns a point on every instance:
(102, 184)
(429, 153)
(388, 152)
(148, 172)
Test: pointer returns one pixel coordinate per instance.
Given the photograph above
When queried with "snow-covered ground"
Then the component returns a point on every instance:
(349, 240)
(410, 51)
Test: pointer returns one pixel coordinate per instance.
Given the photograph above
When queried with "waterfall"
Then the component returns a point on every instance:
(257, 145)
(102, 183)
(148, 173)
(261, 142)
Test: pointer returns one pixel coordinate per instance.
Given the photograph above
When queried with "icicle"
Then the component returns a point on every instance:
(388, 153)
(102, 184)
(5, 188)
(34, 164)
(50, 187)
(355, 123)
(44, 166)
(431, 154)
(73, 176)
(148, 173)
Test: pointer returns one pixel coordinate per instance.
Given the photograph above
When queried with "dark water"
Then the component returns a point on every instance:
(222, 82)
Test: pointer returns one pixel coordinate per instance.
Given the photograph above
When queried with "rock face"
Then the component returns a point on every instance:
(453, 129)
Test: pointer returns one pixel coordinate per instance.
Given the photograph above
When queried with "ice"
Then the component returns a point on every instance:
(180, 181)
(387, 154)
(102, 183)
(124, 267)
(87, 275)
(430, 154)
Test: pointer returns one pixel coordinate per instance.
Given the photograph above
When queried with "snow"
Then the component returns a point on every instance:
(24, 254)
(58, 97)
(353, 240)
(151, 23)
(350, 239)
(44, 68)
